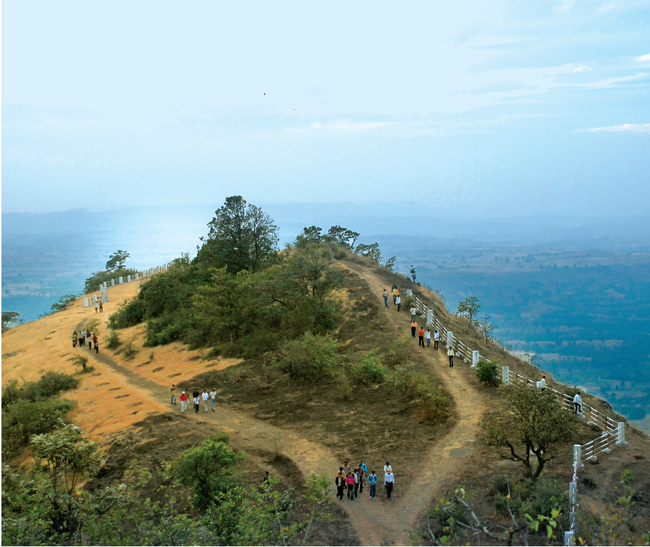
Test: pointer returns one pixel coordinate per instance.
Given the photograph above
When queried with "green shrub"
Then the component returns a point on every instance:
(405, 381)
(369, 370)
(48, 385)
(25, 418)
(400, 352)
(488, 373)
(311, 358)
(113, 341)
(93, 282)
(433, 407)
(129, 350)
(345, 387)
(128, 314)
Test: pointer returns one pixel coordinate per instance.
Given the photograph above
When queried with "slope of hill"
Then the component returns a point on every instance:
(295, 429)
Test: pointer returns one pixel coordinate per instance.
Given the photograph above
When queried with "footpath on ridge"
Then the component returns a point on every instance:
(373, 522)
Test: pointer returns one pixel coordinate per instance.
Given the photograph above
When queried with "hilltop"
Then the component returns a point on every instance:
(383, 398)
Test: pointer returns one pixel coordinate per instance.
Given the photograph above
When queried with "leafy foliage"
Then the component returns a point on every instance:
(116, 261)
(342, 236)
(97, 278)
(312, 358)
(64, 302)
(390, 263)
(469, 307)
(371, 251)
(113, 340)
(9, 318)
(488, 372)
(368, 370)
(532, 420)
(309, 235)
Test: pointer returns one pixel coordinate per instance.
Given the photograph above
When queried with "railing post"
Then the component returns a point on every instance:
(121, 280)
(569, 538)
(475, 357)
(112, 282)
(85, 301)
(505, 375)
(620, 437)
(573, 493)
(577, 457)
(409, 292)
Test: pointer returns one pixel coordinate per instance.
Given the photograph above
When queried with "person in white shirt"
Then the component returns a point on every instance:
(427, 335)
(205, 396)
(398, 302)
(389, 482)
(542, 384)
(213, 396)
(577, 404)
(414, 313)
(436, 339)
(450, 354)
(197, 403)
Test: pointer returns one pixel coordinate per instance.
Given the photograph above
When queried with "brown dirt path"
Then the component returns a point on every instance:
(443, 464)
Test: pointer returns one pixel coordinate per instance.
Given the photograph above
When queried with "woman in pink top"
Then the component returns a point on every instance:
(349, 481)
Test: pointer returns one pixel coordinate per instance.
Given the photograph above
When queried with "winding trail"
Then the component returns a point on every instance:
(373, 521)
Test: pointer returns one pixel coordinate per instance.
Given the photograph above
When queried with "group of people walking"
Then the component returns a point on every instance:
(423, 335)
(79, 339)
(352, 481)
(197, 397)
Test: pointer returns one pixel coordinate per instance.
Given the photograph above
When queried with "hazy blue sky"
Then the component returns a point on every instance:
(484, 107)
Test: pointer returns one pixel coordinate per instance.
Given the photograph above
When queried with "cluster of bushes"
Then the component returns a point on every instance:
(97, 278)
(200, 498)
(32, 409)
(316, 359)
(238, 314)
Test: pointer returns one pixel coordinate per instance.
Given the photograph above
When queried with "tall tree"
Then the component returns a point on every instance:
(241, 237)
(372, 251)
(8, 319)
(469, 307)
(116, 261)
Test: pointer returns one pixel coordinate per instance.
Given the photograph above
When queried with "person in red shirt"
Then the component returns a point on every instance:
(421, 336)
(349, 481)
(183, 401)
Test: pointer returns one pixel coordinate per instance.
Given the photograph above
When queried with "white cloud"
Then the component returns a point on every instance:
(345, 126)
(638, 128)
(605, 7)
(565, 6)
(580, 68)
(644, 58)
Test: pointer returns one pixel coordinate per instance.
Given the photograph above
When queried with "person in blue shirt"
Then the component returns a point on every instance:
(372, 481)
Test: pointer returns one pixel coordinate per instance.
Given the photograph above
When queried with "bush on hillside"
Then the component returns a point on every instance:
(129, 313)
(368, 370)
(400, 352)
(312, 358)
(488, 373)
(113, 340)
(433, 406)
(48, 385)
(97, 278)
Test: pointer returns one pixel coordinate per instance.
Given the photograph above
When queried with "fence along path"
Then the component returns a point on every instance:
(612, 432)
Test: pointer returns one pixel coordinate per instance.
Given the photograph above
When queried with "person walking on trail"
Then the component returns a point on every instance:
(81, 339)
(96, 307)
(396, 293)
(450, 353)
(577, 404)
(389, 482)
(90, 340)
(173, 393)
(349, 482)
(346, 468)
(213, 396)
(357, 482)
(414, 327)
(183, 401)
(542, 384)
(197, 403)
(74, 339)
(205, 398)
(414, 313)
(436, 339)
(421, 337)
(372, 482)
(385, 294)
(101, 306)
(363, 470)
(427, 335)
(96, 342)
(339, 481)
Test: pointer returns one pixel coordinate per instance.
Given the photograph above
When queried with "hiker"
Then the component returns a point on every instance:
(389, 482)
(450, 352)
(340, 484)
(364, 471)
(414, 326)
(74, 339)
(95, 341)
(205, 398)
(387, 468)
(421, 337)
(385, 298)
(183, 401)
(101, 306)
(213, 396)
(577, 404)
(542, 384)
(173, 392)
(394, 291)
(90, 340)
(346, 468)
(197, 403)
(357, 482)
(82, 339)
(398, 302)
(427, 335)
(414, 313)
(436, 339)
(349, 482)
(372, 482)
(96, 307)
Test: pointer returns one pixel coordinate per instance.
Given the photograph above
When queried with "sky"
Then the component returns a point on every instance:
(467, 108)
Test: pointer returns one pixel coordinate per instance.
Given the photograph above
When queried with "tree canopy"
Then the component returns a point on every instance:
(9, 318)
(241, 237)
(116, 261)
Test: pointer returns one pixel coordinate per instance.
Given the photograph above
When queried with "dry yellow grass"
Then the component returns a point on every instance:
(106, 403)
